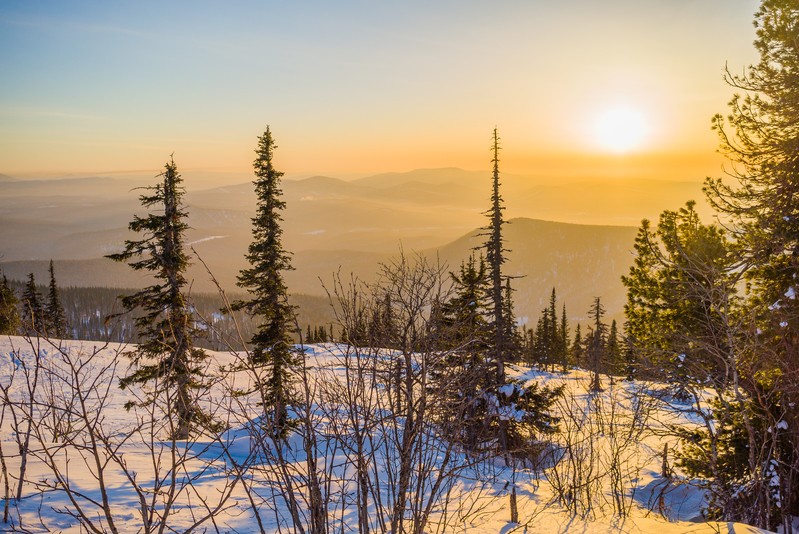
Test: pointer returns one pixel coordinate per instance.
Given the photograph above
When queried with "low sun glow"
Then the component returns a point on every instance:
(620, 129)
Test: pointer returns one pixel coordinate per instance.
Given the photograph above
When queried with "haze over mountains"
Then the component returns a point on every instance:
(351, 226)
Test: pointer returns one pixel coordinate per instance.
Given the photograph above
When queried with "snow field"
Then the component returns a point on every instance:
(83, 438)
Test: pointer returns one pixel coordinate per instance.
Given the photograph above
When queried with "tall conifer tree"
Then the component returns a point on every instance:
(541, 352)
(32, 308)
(55, 317)
(614, 350)
(578, 345)
(166, 353)
(597, 343)
(553, 335)
(501, 346)
(272, 345)
(504, 345)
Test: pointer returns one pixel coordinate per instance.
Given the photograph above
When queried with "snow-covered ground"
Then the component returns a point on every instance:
(122, 473)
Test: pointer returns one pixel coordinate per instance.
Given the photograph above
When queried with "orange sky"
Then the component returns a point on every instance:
(352, 88)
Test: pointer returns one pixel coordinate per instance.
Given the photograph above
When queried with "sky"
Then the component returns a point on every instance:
(351, 88)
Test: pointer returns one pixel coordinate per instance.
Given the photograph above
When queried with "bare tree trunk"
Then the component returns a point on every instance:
(316, 501)
(31, 383)
(514, 509)
(406, 449)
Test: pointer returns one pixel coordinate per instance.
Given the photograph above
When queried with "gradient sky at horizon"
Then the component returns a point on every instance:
(360, 87)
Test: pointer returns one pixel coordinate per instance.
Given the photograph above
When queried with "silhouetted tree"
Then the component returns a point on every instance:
(553, 334)
(596, 344)
(166, 353)
(32, 309)
(511, 335)
(540, 340)
(55, 318)
(502, 349)
(272, 345)
(322, 334)
(577, 351)
(563, 348)
(551, 344)
(613, 350)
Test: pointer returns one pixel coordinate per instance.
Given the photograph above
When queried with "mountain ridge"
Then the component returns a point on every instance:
(329, 222)
(580, 261)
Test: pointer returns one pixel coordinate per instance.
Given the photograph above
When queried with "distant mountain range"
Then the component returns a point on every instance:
(332, 224)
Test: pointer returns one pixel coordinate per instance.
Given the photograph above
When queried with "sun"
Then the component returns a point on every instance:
(621, 129)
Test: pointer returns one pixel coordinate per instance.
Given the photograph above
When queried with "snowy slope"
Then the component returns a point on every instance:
(620, 430)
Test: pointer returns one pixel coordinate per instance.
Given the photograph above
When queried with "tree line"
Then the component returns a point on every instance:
(93, 314)
(32, 313)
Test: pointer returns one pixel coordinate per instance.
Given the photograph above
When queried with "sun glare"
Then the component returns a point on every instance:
(620, 129)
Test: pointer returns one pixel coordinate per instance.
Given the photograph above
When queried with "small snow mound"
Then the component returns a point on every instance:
(677, 500)
(507, 390)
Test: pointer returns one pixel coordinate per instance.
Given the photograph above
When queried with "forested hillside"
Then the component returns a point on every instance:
(581, 261)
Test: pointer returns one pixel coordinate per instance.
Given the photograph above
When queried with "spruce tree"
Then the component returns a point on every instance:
(464, 326)
(541, 346)
(630, 369)
(578, 347)
(504, 342)
(553, 327)
(551, 344)
(502, 349)
(272, 345)
(9, 315)
(613, 350)
(464, 375)
(597, 343)
(32, 309)
(55, 317)
(166, 353)
(320, 334)
(563, 339)
(760, 138)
